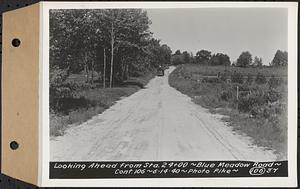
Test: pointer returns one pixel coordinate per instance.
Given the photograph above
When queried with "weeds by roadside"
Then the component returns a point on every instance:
(256, 107)
(87, 101)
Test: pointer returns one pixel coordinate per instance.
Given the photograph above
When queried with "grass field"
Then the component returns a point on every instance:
(214, 70)
(91, 101)
(259, 111)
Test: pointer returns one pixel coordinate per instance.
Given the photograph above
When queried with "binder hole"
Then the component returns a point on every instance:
(14, 145)
(16, 42)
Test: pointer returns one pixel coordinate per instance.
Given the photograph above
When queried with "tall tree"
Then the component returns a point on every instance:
(257, 61)
(177, 59)
(127, 29)
(203, 56)
(79, 37)
(104, 67)
(112, 34)
(177, 52)
(186, 57)
(280, 58)
(219, 59)
(244, 60)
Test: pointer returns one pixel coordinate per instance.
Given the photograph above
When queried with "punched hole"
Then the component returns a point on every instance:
(14, 145)
(16, 42)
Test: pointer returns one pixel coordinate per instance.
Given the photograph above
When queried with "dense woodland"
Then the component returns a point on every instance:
(120, 38)
(113, 44)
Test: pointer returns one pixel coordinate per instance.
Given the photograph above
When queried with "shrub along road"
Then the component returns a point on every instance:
(156, 123)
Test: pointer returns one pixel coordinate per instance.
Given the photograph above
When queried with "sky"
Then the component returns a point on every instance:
(261, 31)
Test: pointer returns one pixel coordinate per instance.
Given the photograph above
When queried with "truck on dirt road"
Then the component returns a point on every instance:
(160, 71)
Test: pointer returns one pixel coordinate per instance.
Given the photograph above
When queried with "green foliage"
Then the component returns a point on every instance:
(274, 82)
(260, 79)
(244, 60)
(226, 95)
(249, 79)
(89, 102)
(272, 96)
(237, 77)
(203, 57)
(177, 59)
(246, 103)
(260, 111)
(229, 70)
(257, 61)
(57, 87)
(211, 80)
(219, 59)
(186, 57)
(177, 52)
(181, 58)
(280, 58)
(79, 37)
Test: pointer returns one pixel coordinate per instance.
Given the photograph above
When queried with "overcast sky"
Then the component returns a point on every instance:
(261, 30)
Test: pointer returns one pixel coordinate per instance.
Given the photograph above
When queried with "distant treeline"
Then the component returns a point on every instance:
(205, 57)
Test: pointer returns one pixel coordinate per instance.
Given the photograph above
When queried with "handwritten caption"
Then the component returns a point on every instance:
(169, 169)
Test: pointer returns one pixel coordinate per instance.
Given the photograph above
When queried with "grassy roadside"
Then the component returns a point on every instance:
(260, 114)
(91, 102)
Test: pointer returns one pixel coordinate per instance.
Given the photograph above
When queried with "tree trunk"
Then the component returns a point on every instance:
(112, 55)
(86, 73)
(123, 69)
(86, 69)
(104, 67)
(121, 72)
(92, 81)
(127, 72)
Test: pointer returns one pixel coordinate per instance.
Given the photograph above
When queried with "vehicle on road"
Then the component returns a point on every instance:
(160, 72)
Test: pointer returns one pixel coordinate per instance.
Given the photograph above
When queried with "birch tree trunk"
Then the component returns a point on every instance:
(86, 67)
(104, 67)
(112, 55)
(93, 68)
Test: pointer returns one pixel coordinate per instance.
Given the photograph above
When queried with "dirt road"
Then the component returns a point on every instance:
(156, 123)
